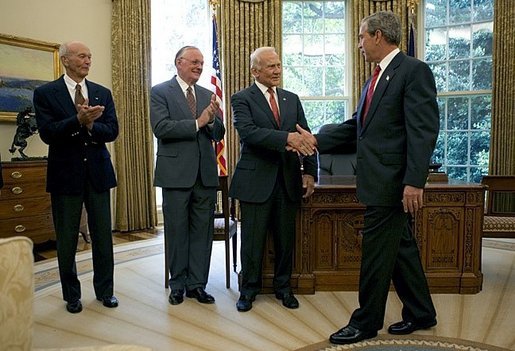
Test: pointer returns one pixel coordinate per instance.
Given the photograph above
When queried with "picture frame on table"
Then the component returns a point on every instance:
(25, 65)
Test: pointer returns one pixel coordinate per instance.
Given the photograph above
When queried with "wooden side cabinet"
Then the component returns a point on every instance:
(25, 207)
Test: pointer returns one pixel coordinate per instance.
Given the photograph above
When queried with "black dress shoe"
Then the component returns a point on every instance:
(350, 335)
(74, 307)
(201, 295)
(244, 303)
(406, 327)
(289, 300)
(176, 297)
(109, 301)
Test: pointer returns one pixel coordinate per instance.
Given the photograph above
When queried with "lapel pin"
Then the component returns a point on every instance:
(387, 77)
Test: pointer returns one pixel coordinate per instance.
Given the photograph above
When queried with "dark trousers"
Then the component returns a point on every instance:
(66, 211)
(189, 225)
(276, 215)
(390, 253)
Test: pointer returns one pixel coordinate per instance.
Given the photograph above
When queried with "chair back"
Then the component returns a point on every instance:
(226, 224)
(16, 293)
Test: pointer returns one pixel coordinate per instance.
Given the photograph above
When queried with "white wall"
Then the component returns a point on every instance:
(58, 21)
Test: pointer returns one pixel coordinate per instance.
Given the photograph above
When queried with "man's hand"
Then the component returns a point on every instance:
(412, 199)
(87, 115)
(308, 183)
(208, 115)
(303, 143)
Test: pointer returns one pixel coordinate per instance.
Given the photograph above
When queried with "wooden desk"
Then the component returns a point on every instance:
(328, 243)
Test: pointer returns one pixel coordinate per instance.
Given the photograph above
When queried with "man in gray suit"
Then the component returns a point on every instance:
(396, 136)
(268, 179)
(183, 118)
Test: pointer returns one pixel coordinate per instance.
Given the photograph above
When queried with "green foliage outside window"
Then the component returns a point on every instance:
(458, 48)
(314, 58)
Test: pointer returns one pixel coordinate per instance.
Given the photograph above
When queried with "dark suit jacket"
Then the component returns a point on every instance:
(74, 154)
(263, 152)
(182, 152)
(395, 145)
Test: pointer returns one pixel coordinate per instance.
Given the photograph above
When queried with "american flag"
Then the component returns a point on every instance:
(216, 81)
(411, 41)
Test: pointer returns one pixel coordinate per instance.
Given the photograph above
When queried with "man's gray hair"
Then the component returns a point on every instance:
(387, 22)
(255, 57)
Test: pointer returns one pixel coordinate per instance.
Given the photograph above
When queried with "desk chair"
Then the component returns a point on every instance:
(225, 228)
(499, 219)
(226, 225)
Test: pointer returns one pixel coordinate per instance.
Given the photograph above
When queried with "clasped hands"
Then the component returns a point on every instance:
(87, 115)
(208, 115)
(302, 142)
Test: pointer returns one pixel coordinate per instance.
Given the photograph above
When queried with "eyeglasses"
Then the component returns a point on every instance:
(194, 63)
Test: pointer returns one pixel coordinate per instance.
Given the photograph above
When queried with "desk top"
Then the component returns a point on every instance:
(349, 181)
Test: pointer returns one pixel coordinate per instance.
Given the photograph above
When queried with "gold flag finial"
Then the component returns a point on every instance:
(412, 5)
(214, 4)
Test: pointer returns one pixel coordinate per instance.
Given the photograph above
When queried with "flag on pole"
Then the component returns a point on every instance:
(216, 81)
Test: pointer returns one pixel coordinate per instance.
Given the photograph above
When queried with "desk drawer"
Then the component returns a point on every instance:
(38, 228)
(16, 208)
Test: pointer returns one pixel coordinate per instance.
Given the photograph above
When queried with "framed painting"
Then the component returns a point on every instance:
(25, 64)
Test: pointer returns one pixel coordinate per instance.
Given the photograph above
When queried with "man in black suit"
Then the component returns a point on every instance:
(186, 170)
(268, 180)
(76, 117)
(395, 141)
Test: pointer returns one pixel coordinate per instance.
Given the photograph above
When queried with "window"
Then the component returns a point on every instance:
(315, 58)
(173, 27)
(458, 48)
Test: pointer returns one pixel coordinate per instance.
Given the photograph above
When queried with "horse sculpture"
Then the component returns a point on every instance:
(27, 126)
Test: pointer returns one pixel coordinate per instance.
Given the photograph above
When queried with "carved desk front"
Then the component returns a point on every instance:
(328, 243)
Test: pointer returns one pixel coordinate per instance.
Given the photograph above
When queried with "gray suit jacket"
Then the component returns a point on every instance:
(182, 152)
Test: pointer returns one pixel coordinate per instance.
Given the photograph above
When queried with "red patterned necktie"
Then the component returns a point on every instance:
(370, 93)
(273, 105)
(191, 102)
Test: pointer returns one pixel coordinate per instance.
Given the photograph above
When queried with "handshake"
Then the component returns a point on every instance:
(302, 142)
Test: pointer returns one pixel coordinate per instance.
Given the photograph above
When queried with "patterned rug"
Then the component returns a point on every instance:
(46, 273)
(406, 343)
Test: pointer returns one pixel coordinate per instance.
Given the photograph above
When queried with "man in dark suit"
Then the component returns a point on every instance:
(395, 141)
(184, 121)
(268, 180)
(76, 117)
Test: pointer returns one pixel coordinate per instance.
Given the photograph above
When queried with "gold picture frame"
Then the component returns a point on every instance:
(26, 64)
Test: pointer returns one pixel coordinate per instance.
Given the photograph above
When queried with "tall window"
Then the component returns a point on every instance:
(315, 60)
(458, 48)
(173, 27)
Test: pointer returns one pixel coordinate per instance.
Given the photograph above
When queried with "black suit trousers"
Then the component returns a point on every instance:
(390, 253)
(277, 216)
(66, 211)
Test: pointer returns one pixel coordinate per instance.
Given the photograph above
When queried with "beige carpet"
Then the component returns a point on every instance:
(145, 317)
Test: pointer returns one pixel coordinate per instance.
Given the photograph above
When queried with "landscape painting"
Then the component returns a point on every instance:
(25, 64)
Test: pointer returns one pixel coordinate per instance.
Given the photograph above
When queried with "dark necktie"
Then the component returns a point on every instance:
(273, 105)
(191, 102)
(370, 93)
(79, 98)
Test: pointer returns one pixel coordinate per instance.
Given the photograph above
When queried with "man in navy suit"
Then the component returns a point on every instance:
(268, 180)
(184, 121)
(395, 141)
(76, 117)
